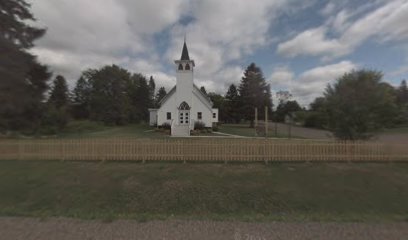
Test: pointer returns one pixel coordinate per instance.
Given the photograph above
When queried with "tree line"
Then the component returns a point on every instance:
(111, 95)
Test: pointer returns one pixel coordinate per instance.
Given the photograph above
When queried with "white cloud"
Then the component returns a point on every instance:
(281, 78)
(386, 23)
(311, 42)
(82, 34)
(221, 34)
(310, 84)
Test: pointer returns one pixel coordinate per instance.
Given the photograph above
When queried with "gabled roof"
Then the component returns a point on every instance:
(206, 100)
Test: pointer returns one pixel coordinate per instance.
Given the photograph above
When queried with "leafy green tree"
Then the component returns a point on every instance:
(232, 105)
(109, 95)
(160, 95)
(23, 80)
(286, 108)
(317, 116)
(59, 96)
(218, 102)
(254, 93)
(359, 104)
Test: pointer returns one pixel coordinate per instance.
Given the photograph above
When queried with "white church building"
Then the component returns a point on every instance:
(185, 104)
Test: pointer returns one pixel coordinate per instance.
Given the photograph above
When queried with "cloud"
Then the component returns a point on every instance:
(385, 24)
(310, 84)
(221, 34)
(84, 34)
(311, 42)
(281, 77)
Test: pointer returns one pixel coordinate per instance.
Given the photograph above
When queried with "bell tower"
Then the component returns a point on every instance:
(184, 77)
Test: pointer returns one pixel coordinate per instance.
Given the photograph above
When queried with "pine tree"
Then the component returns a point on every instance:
(23, 79)
(232, 105)
(81, 95)
(152, 89)
(59, 93)
(402, 93)
(202, 89)
(254, 93)
(160, 95)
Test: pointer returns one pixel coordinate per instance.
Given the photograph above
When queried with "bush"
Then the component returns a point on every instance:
(166, 125)
(199, 125)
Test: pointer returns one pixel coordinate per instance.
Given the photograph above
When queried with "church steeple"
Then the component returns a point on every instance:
(185, 63)
(184, 53)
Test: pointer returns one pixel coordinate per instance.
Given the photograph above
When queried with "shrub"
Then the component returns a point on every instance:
(166, 125)
(199, 125)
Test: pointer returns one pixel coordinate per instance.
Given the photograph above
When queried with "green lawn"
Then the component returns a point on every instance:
(77, 129)
(285, 192)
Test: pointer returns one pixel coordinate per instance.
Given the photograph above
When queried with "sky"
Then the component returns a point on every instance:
(300, 45)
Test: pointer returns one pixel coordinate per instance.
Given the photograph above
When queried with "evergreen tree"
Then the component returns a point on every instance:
(232, 105)
(23, 79)
(81, 95)
(59, 93)
(139, 95)
(402, 102)
(152, 89)
(402, 93)
(160, 95)
(254, 93)
(202, 89)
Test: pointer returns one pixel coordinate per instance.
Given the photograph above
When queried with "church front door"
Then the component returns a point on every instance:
(184, 114)
(184, 117)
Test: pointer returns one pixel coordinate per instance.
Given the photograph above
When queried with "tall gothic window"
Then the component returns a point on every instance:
(180, 67)
(187, 67)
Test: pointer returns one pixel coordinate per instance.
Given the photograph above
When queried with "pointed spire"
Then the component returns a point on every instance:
(184, 53)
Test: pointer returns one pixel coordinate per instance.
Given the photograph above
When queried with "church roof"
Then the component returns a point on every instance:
(206, 99)
(184, 53)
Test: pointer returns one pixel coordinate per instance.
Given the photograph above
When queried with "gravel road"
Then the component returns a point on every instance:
(63, 229)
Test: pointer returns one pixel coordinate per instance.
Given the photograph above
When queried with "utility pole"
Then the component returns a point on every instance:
(256, 121)
(266, 121)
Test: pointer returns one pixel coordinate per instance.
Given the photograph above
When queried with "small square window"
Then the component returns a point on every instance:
(168, 115)
(199, 115)
(214, 115)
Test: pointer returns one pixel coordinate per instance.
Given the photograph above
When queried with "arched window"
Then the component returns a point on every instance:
(187, 67)
(180, 67)
(184, 106)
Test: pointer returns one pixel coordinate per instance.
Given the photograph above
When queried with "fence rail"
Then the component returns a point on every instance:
(222, 150)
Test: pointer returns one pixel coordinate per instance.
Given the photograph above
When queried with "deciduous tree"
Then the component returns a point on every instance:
(359, 104)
